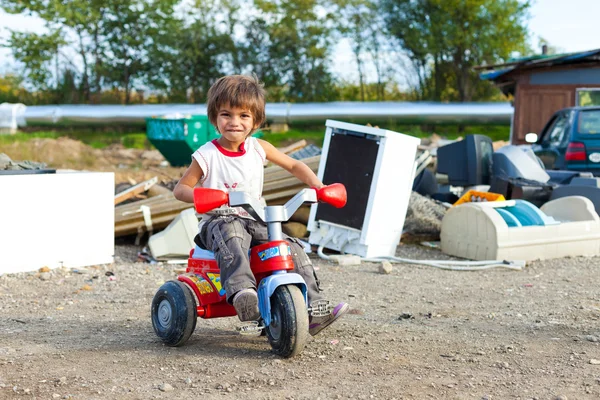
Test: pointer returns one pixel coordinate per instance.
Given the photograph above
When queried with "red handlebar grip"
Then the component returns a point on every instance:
(334, 194)
(206, 199)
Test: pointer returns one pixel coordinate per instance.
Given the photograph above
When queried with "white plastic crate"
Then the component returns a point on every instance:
(377, 167)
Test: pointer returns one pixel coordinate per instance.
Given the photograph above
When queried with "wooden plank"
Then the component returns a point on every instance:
(294, 146)
(135, 190)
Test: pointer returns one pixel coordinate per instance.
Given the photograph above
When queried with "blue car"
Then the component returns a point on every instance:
(570, 140)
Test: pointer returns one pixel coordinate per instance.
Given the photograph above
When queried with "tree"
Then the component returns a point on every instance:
(445, 39)
(185, 59)
(291, 52)
(38, 53)
(78, 23)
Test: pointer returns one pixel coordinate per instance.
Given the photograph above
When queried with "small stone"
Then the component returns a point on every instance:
(594, 362)
(385, 268)
(44, 269)
(165, 387)
(560, 397)
(56, 396)
(45, 276)
(188, 381)
(591, 338)
(346, 259)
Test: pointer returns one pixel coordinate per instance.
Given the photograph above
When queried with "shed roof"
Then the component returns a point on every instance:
(503, 74)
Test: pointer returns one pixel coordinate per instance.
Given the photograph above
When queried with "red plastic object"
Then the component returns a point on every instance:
(269, 257)
(575, 152)
(206, 199)
(334, 194)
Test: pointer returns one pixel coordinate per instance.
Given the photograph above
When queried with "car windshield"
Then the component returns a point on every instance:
(589, 122)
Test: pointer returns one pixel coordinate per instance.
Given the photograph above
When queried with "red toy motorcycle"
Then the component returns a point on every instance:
(281, 292)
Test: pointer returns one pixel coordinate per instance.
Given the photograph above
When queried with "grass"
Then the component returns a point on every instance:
(102, 137)
(94, 138)
(314, 134)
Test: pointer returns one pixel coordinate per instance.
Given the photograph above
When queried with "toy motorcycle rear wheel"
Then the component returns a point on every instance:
(288, 330)
(174, 313)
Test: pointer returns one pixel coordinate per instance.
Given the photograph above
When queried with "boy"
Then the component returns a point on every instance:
(235, 162)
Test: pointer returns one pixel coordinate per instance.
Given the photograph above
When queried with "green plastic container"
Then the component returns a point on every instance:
(177, 139)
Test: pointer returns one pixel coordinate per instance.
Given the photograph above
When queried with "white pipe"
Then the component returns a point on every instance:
(414, 112)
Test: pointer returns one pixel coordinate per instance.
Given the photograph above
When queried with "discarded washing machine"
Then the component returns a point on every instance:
(518, 230)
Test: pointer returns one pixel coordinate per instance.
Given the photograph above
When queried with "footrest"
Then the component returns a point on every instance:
(320, 308)
(251, 328)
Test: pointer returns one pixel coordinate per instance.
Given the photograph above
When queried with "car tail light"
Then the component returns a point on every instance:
(575, 152)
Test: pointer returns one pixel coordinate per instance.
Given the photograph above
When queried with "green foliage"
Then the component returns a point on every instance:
(96, 138)
(116, 51)
(445, 39)
(311, 134)
(11, 89)
(186, 58)
(290, 50)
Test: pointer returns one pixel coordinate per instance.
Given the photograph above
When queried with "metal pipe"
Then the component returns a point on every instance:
(408, 112)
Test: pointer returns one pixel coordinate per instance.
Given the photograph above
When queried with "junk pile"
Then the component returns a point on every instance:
(504, 205)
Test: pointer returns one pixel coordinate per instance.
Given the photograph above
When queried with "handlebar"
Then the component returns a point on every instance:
(206, 199)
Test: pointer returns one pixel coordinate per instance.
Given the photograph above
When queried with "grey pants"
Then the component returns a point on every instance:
(230, 238)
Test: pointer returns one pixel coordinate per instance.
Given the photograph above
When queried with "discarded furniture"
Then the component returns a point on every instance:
(518, 230)
(52, 220)
(377, 167)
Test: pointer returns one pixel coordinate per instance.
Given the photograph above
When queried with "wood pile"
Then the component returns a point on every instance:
(161, 207)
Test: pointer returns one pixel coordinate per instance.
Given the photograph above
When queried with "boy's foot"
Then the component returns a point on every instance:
(245, 303)
(317, 324)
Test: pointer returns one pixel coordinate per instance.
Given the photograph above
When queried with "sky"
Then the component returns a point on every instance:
(568, 25)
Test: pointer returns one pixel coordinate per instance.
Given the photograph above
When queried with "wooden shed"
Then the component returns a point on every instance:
(543, 84)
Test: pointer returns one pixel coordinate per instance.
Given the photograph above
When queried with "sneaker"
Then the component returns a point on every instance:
(317, 324)
(245, 303)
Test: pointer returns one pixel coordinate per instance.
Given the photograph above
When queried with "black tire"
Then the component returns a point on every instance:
(174, 313)
(288, 330)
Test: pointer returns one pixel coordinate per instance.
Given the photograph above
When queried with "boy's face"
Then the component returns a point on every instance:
(234, 123)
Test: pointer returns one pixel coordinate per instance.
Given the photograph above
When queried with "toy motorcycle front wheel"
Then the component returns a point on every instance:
(288, 330)
(174, 313)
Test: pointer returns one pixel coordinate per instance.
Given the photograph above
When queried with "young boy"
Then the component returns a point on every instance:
(235, 162)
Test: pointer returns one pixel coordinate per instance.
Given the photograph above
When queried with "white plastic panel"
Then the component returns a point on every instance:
(63, 219)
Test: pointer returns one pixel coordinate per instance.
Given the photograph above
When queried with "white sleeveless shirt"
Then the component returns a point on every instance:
(229, 171)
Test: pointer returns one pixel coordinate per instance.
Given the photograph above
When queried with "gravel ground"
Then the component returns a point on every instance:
(416, 333)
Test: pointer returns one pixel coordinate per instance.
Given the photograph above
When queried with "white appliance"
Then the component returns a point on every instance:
(377, 166)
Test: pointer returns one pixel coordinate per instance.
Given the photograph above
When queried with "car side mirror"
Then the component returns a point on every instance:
(531, 137)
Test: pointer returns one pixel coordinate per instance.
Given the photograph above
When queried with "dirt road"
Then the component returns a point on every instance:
(417, 333)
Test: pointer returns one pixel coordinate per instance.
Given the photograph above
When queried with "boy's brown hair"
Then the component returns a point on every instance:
(237, 91)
